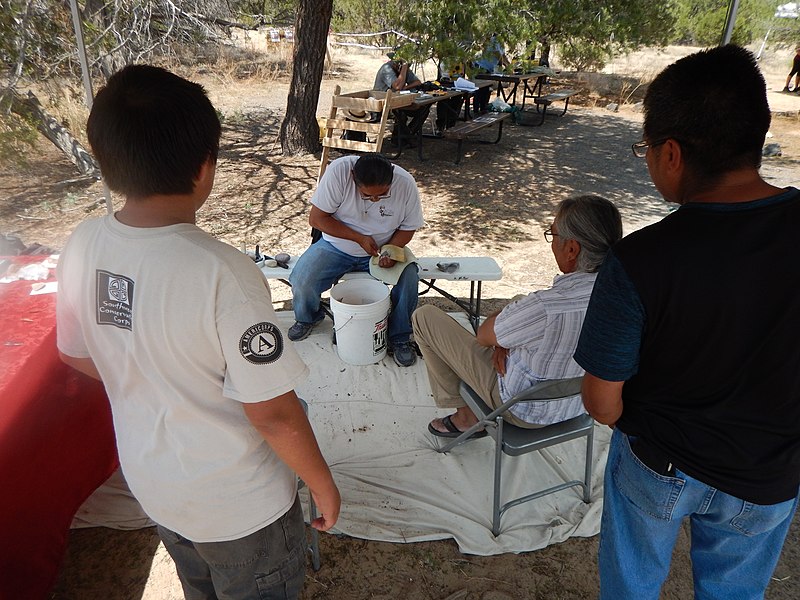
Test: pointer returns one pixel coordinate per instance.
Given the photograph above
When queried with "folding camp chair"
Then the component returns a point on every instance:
(515, 441)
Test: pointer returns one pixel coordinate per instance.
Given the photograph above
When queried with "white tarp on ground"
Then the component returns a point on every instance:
(371, 423)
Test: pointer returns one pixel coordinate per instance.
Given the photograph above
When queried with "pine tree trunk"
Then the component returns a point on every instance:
(545, 58)
(30, 107)
(299, 130)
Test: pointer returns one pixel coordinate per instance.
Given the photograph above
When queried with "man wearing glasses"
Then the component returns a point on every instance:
(690, 346)
(360, 205)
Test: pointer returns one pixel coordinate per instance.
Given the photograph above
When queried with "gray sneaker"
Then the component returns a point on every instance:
(299, 331)
(404, 354)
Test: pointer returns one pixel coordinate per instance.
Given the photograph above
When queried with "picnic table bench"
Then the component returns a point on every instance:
(472, 269)
(463, 129)
(548, 99)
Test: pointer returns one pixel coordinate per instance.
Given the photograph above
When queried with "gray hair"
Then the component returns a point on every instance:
(593, 222)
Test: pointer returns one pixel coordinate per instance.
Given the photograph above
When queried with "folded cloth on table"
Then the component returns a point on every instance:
(465, 84)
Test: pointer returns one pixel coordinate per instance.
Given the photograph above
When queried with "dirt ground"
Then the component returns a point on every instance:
(496, 202)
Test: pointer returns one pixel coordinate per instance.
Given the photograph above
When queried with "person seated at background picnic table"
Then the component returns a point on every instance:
(530, 340)
(396, 75)
(361, 204)
(448, 111)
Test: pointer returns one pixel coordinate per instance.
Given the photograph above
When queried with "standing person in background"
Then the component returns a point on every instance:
(180, 329)
(794, 72)
(396, 75)
(690, 346)
(493, 59)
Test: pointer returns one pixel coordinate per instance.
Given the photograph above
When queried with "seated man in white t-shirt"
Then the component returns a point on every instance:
(360, 205)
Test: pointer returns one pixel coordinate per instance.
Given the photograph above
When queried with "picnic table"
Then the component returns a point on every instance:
(508, 83)
(436, 98)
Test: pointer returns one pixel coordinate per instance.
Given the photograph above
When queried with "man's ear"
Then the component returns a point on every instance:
(573, 248)
(207, 169)
(673, 155)
(204, 180)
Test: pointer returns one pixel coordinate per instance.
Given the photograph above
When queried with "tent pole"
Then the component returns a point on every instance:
(87, 81)
(730, 20)
(764, 43)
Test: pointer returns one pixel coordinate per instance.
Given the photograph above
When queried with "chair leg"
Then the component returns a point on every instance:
(498, 456)
(587, 487)
(314, 547)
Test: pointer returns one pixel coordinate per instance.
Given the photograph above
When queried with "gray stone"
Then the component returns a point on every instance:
(613, 107)
(773, 149)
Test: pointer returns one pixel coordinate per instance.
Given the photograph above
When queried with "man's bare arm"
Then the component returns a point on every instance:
(285, 427)
(401, 237)
(602, 399)
(400, 82)
(485, 334)
(84, 365)
(327, 223)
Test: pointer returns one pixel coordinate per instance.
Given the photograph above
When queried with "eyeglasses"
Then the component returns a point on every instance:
(549, 234)
(640, 148)
(377, 198)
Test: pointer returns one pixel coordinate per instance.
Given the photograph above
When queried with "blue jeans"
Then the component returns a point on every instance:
(735, 544)
(321, 265)
(269, 564)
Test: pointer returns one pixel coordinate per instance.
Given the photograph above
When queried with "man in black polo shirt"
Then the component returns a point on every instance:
(690, 348)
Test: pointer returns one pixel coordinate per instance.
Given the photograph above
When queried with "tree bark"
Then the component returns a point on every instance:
(299, 130)
(30, 108)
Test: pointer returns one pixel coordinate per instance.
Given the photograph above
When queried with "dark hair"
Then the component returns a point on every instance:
(152, 131)
(592, 221)
(714, 104)
(373, 169)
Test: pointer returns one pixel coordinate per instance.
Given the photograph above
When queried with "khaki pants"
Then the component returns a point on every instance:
(452, 355)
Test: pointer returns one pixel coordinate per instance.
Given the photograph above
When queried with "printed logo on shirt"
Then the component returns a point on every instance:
(261, 344)
(386, 211)
(114, 300)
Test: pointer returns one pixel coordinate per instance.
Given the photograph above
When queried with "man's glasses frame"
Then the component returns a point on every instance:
(549, 234)
(639, 149)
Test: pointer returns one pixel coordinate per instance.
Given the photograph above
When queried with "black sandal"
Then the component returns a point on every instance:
(452, 430)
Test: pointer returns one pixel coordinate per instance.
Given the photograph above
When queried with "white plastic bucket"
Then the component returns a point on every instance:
(361, 320)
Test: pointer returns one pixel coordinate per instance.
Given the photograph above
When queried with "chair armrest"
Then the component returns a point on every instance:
(544, 391)
(551, 389)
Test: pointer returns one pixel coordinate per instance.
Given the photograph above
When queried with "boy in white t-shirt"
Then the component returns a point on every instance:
(181, 330)
(360, 204)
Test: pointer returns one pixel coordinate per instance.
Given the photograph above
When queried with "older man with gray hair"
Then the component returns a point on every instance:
(530, 340)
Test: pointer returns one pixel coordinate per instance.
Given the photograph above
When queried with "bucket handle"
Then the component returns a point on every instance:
(345, 323)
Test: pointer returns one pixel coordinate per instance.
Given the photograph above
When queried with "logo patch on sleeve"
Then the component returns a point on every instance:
(114, 300)
(261, 344)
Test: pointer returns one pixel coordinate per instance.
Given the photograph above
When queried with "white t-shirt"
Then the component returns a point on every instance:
(337, 194)
(182, 330)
